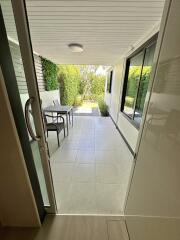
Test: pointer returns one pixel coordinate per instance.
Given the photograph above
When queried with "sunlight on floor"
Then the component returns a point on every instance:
(83, 110)
(91, 169)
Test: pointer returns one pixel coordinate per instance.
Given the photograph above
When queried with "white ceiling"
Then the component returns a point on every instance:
(106, 28)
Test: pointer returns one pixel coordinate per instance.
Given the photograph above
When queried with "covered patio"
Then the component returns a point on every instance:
(91, 169)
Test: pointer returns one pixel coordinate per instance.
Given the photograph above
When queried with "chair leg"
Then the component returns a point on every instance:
(69, 118)
(47, 134)
(64, 132)
(58, 139)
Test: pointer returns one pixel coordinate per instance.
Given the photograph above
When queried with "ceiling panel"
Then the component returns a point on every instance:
(106, 28)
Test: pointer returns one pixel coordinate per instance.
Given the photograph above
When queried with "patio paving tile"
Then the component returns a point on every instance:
(91, 169)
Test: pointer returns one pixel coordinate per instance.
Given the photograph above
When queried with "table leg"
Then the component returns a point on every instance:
(67, 123)
(72, 116)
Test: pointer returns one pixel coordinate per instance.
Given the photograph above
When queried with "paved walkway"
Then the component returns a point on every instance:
(91, 169)
(88, 108)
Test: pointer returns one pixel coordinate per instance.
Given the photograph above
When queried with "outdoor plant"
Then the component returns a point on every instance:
(49, 70)
(129, 101)
(80, 82)
(69, 80)
(103, 107)
(78, 100)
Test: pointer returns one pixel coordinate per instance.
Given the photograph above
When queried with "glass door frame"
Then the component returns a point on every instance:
(23, 32)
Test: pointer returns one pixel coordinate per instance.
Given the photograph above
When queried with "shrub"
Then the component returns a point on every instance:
(78, 100)
(49, 70)
(129, 101)
(69, 79)
(103, 107)
(97, 84)
(97, 97)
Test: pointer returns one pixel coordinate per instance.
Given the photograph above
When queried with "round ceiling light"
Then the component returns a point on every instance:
(76, 47)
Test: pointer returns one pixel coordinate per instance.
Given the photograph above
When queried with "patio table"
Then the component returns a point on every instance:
(67, 110)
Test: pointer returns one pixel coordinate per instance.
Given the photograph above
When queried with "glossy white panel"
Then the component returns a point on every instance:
(155, 188)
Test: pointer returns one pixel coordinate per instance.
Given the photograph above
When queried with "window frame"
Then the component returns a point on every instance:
(110, 77)
(143, 49)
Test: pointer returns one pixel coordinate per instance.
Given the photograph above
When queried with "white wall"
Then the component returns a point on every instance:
(128, 130)
(47, 97)
(113, 100)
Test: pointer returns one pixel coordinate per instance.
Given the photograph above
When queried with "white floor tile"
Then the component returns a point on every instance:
(84, 173)
(107, 156)
(71, 145)
(62, 172)
(107, 173)
(91, 169)
(62, 193)
(64, 156)
(108, 198)
(85, 144)
(85, 156)
(82, 198)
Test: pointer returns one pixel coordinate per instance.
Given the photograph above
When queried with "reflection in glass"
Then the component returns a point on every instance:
(144, 81)
(134, 74)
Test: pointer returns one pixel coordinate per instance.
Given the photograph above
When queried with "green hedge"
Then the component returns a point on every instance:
(50, 74)
(98, 84)
(69, 79)
(103, 107)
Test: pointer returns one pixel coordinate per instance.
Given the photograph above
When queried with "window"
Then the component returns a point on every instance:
(109, 82)
(138, 71)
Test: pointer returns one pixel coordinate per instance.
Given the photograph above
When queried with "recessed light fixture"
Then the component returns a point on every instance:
(76, 47)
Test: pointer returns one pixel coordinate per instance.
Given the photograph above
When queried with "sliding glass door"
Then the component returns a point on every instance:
(17, 63)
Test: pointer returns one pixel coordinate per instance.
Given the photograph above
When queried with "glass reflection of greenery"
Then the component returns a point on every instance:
(132, 86)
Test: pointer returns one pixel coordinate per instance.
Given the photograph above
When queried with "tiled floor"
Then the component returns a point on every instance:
(91, 169)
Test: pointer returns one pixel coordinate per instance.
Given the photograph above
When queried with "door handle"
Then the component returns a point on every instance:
(28, 122)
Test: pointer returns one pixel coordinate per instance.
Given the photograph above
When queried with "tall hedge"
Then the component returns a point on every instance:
(50, 74)
(69, 80)
(98, 84)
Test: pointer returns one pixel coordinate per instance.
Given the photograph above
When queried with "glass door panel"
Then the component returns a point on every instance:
(21, 52)
(40, 173)
(134, 74)
(144, 82)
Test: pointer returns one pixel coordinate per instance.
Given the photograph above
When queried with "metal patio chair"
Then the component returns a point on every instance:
(57, 103)
(54, 126)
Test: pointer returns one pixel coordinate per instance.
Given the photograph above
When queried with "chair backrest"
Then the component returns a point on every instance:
(56, 102)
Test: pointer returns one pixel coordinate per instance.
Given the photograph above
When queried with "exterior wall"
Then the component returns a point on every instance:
(113, 100)
(128, 131)
(107, 97)
(116, 86)
(47, 97)
(17, 203)
(19, 71)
